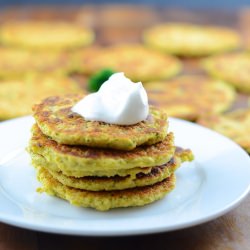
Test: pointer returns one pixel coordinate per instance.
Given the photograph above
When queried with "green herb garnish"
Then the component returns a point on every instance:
(96, 80)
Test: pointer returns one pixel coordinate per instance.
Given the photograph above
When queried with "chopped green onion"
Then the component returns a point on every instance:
(96, 80)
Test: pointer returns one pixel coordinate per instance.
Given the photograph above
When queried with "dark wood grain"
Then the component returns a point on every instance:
(119, 24)
(17, 239)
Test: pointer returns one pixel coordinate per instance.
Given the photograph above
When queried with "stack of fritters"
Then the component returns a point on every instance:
(100, 165)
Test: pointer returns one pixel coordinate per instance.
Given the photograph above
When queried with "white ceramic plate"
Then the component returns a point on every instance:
(210, 186)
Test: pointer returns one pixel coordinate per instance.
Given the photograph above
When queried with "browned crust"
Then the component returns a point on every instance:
(41, 141)
(55, 119)
(105, 200)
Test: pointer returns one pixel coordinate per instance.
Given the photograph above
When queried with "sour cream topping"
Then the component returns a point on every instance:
(118, 101)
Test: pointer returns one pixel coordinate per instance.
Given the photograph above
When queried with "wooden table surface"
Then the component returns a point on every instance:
(116, 24)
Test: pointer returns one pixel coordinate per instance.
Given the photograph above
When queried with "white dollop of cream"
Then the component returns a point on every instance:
(118, 101)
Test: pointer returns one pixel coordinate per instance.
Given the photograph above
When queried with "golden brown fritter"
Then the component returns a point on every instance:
(82, 160)
(18, 96)
(56, 120)
(188, 97)
(232, 68)
(93, 183)
(18, 63)
(191, 40)
(44, 35)
(105, 200)
(235, 125)
(137, 62)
